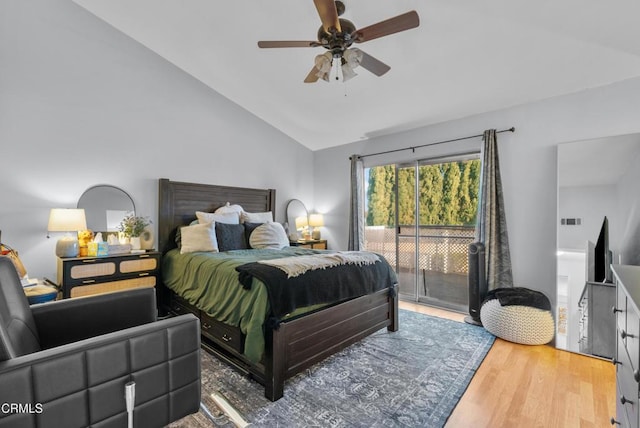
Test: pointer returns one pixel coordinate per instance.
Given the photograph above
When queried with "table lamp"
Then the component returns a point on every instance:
(316, 222)
(67, 220)
(302, 224)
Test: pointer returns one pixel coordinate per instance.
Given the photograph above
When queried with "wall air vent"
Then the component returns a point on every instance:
(570, 221)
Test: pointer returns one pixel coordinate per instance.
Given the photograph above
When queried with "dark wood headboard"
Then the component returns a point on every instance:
(178, 203)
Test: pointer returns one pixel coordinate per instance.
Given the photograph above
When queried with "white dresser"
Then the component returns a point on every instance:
(627, 358)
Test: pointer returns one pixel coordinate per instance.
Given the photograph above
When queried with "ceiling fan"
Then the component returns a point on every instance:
(337, 35)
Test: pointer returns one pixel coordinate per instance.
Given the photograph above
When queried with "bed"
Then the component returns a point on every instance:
(299, 341)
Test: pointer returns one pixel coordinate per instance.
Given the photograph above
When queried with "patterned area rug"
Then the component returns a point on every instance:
(411, 378)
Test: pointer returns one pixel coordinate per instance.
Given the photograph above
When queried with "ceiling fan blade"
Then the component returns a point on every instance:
(328, 14)
(396, 24)
(312, 77)
(287, 44)
(374, 65)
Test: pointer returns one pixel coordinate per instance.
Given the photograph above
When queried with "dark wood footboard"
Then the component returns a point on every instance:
(298, 343)
(302, 342)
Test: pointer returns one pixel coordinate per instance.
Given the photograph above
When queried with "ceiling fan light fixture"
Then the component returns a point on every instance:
(336, 75)
(323, 65)
(353, 57)
(347, 72)
(337, 35)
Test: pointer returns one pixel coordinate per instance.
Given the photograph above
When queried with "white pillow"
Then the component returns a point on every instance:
(198, 237)
(228, 218)
(266, 217)
(269, 235)
(228, 208)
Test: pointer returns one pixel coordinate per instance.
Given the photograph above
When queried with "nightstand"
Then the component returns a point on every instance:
(84, 276)
(316, 244)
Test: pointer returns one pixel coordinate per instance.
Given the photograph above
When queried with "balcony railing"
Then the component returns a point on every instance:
(438, 275)
(441, 249)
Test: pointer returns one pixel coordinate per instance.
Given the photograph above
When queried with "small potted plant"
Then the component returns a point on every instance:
(132, 227)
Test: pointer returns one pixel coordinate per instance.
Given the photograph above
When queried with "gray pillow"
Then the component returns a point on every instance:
(230, 237)
(178, 238)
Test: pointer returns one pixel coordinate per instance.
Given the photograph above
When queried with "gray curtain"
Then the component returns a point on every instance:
(356, 212)
(491, 228)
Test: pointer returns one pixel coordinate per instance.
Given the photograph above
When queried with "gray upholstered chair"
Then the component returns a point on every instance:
(66, 363)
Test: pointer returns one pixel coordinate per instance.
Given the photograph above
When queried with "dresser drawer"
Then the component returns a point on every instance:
(622, 418)
(624, 368)
(107, 287)
(632, 342)
(108, 273)
(628, 345)
(181, 307)
(627, 392)
(90, 269)
(621, 308)
(142, 264)
(223, 334)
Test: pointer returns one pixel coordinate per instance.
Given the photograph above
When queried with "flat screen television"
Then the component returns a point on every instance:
(599, 257)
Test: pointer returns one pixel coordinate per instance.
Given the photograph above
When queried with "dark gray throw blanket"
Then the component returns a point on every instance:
(320, 286)
(519, 296)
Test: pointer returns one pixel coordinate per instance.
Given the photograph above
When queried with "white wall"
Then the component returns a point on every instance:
(629, 200)
(527, 158)
(82, 104)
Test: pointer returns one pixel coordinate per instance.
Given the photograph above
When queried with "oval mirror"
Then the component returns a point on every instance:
(296, 213)
(105, 206)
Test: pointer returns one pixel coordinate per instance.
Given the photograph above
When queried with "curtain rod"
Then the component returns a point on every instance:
(512, 129)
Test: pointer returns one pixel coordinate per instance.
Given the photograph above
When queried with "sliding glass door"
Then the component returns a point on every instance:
(421, 216)
(380, 212)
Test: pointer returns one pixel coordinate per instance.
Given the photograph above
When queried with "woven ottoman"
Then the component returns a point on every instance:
(518, 315)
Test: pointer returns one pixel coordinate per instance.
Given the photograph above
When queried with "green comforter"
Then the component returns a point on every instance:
(209, 281)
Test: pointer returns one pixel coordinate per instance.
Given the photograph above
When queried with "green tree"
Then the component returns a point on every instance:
(448, 194)
(380, 196)
(467, 210)
(474, 187)
(406, 196)
(430, 186)
(450, 213)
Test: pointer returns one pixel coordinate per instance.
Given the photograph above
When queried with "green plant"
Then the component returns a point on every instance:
(133, 226)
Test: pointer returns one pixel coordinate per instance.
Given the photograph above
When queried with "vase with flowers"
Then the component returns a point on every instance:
(131, 227)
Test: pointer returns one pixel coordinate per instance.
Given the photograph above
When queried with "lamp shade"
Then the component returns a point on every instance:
(66, 220)
(316, 220)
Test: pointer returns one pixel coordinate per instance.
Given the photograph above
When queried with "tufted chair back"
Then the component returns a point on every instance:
(18, 334)
(72, 359)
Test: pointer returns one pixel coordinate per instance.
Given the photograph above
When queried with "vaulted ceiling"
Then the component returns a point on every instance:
(466, 57)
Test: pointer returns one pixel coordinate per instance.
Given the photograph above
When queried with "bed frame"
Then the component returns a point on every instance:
(298, 343)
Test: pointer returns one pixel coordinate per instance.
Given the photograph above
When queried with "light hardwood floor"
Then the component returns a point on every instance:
(533, 386)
